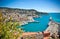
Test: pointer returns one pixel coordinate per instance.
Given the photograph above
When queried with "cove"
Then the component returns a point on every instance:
(42, 24)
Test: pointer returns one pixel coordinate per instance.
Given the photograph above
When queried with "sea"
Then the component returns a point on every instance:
(42, 23)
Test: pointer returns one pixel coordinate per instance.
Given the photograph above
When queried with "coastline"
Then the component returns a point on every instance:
(30, 19)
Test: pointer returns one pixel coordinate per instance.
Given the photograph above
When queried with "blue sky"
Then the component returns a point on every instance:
(39, 5)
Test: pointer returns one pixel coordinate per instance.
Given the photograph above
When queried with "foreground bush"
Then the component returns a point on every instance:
(9, 30)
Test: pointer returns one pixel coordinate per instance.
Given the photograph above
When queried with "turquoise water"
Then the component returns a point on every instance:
(42, 24)
(56, 17)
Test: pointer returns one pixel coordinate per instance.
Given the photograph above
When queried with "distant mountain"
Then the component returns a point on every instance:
(21, 11)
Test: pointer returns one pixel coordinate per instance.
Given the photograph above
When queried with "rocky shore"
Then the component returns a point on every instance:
(30, 19)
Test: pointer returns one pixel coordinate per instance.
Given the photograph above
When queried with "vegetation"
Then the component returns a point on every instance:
(9, 30)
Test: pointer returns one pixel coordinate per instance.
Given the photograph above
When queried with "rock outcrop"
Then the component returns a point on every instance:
(53, 27)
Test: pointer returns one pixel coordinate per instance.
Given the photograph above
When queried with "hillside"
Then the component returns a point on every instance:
(19, 15)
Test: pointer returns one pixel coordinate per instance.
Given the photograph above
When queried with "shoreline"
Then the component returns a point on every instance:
(30, 19)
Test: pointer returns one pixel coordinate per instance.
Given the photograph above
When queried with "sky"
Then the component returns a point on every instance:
(39, 5)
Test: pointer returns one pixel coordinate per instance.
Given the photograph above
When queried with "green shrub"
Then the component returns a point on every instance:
(9, 30)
